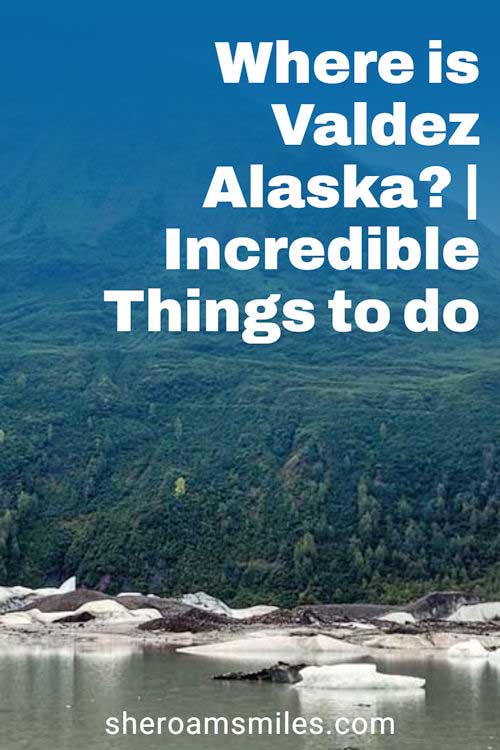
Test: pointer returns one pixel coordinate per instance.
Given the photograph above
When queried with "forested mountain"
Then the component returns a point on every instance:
(326, 467)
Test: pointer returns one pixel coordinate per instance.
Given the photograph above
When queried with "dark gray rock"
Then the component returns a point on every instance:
(281, 672)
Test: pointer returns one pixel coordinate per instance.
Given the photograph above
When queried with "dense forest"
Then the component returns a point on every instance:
(326, 467)
(264, 482)
(337, 468)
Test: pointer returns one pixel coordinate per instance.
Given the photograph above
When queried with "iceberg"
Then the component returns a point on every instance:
(401, 618)
(476, 612)
(286, 646)
(106, 610)
(399, 642)
(200, 600)
(130, 593)
(471, 649)
(65, 588)
(15, 620)
(68, 586)
(355, 677)
(13, 595)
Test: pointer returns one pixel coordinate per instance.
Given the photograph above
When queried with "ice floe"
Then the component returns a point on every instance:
(289, 646)
(355, 677)
(399, 641)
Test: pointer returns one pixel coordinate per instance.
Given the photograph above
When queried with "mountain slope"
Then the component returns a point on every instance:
(325, 466)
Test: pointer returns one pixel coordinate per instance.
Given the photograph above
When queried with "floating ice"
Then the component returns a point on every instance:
(355, 677)
(286, 646)
(472, 649)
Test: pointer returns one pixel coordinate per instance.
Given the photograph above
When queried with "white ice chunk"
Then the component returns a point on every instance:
(200, 600)
(472, 649)
(16, 620)
(68, 586)
(47, 591)
(107, 609)
(283, 646)
(402, 618)
(477, 612)
(7, 593)
(355, 677)
(102, 611)
(130, 593)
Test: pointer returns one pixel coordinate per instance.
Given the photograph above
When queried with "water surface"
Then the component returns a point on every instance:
(60, 698)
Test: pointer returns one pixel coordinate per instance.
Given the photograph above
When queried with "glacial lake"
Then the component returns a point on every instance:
(60, 698)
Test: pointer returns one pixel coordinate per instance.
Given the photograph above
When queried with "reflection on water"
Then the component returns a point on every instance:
(365, 704)
(60, 698)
